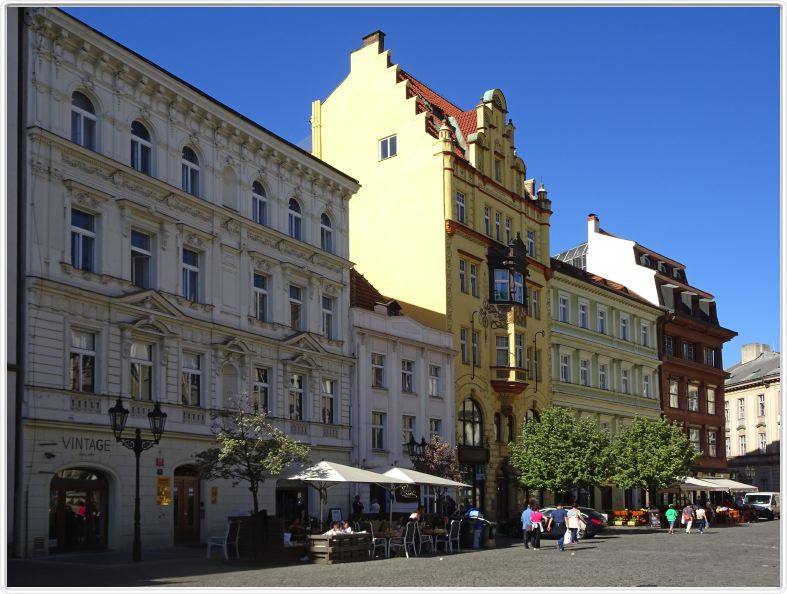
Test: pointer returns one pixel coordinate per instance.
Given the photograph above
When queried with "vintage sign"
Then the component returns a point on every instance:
(163, 490)
(85, 445)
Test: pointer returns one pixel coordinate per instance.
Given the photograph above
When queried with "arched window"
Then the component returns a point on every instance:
(532, 413)
(326, 233)
(471, 423)
(259, 204)
(189, 171)
(294, 219)
(83, 121)
(140, 147)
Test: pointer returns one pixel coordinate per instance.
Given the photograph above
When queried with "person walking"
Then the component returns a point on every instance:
(573, 518)
(526, 520)
(688, 517)
(700, 515)
(535, 528)
(557, 521)
(672, 515)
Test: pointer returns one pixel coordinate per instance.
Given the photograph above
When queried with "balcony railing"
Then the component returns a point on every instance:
(511, 380)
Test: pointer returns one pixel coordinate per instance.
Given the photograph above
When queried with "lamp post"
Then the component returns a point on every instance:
(416, 451)
(118, 415)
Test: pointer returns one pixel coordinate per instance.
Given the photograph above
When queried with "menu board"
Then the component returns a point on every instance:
(655, 518)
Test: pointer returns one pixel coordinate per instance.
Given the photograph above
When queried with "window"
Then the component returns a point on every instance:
(565, 368)
(463, 276)
(519, 350)
(434, 380)
(498, 236)
(463, 345)
(625, 385)
(141, 371)
(476, 351)
(583, 315)
(378, 430)
(531, 244)
(82, 362)
(710, 393)
(644, 335)
(741, 408)
(190, 274)
(498, 427)
(646, 386)
(378, 370)
(727, 448)
(510, 424)
(259, 204)
(508, 230)
(584, 372)
(83, 121)
(327, 317)
(602, 376)
(710, 357)
(694, 438)
(673, 393)
(407, 375)
(498, 169)
(761, 405)
(408, 430)
(624, 328)
(388, 147)
(563, 308)
(294, 219)
(259, 389)
(669, 348)
(763, 443)
(327, 401)
(326, 233)
(470, 423)
(712, 443)
(460, 207)
(693, 397)
(501, 285)
(726, 410)
(189, 171)
(140, 259)
(474, 280)
(601, 321)
(519, 287)
(528, 365)
(688, 351)
(295, 397)
(501, 351)
(296, 309)
(742, 445)
(140, 148)
(536, 306)
(191, 379)
(83, 240)
(487, 222)
(261, 297)
(537, 364)
(435, 428)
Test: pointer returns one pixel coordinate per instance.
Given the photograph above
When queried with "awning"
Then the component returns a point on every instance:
(421, 478)
(730, 485)
(692, 483)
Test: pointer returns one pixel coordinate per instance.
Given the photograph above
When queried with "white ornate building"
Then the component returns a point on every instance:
(176, 252)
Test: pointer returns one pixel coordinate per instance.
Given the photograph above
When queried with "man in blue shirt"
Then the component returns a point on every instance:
(558, 519)
(526, 525)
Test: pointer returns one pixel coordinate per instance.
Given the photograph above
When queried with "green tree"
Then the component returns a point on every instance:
(250, 448)
(651, 455)
(560, 451)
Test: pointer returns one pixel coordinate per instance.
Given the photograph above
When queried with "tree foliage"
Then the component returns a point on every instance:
(560, 452)
(250, 448)
(651, 454)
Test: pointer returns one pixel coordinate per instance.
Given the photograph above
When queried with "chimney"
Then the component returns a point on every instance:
(592, 224)
(749, 352)
(377, 37)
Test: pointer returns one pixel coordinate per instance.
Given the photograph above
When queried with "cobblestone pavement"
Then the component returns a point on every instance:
(736, 556)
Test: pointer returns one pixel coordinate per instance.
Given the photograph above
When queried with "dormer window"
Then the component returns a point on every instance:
(662, 267)
(645, 260)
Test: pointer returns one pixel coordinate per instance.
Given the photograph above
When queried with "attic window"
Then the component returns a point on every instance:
(662, 267)
(644, 260)
(388, 147)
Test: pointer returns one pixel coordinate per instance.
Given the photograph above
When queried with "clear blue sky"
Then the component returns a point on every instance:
(663, 121)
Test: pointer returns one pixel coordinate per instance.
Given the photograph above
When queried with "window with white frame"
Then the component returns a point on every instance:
(189, 171)
(644, 335)
(463, 276)
(295, 396)
(435, 428)
(408, 430)
(625, 381)
(528, 364)
(259, 389)
(408, 368)
(296, 307)
(688, 351)
(669, 345)
(141, 257)
(646, 392)
(328, 326)
(624, 328)
(191, 379)
(474, 279)
(378, 430)
(387, 147)
(562, 308)
(498, 234)
(82, 361)
(190, 274)
(565, 368)
(327, 412)
(726, 410)
(519, 350)
(583, 315)
(694, 438)
(487, 222)
(501, 284)
(742, 444)
(434, 380)
(460, 207)
(601, 321)
(531, 244)
(463, 345)
(602, 376)
(476, 351)
(537, 364)
(710, 356)
(259, 204)
(584, 372)
(83, 240)
(536, 306)
(519, 287)
(693, 397)
(710, 393)
(140, 147)
(83, 121)
(141, 371)
(760, 405)
(763, 442)
(741, 408)
(727, 448)
(294, 219)
(326, 233)
(508, 230)
(501, 351)
(378, 370)
(673, 393)
(712, 443)
(261, 297)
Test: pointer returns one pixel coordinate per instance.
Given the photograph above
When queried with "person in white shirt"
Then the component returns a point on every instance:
(374, 507)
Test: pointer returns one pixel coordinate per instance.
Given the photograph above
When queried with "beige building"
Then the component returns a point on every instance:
(448, 221)
(753, 414)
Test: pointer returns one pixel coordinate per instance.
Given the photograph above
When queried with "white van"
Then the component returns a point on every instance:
(765, 502)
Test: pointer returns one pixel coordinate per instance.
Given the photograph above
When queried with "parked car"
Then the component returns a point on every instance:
(765, 502)
(594, 522)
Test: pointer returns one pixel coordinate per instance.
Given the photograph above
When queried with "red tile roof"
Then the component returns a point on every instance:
(467, 122)
(362, 292)
(420, 88)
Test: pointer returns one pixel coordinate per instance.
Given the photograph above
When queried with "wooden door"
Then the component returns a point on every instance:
(185, 497)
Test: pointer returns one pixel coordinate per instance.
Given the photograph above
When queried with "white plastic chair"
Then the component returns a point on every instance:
(377, 542)
(452, 536)
(423, 539)
(230, 537)
(403, 542)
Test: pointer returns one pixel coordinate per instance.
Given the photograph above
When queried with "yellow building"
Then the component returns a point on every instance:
(443, 220)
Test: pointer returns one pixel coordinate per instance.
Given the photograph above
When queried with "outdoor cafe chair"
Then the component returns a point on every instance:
(448, 540)
(424, 539)
(403, 542)
(230, 537)
(377, 542)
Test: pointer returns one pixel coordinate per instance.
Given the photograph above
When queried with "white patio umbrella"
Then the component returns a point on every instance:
(324, 475)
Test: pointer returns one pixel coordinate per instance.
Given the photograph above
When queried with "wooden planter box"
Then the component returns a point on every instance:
(340, 548)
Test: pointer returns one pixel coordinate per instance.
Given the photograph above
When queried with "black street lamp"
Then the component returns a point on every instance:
(118, 415)
(416, 451)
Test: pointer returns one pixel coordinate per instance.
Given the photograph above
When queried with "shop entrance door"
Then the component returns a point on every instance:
(78, 510)
(186, 498)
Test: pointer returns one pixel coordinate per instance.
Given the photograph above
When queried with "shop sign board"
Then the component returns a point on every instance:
(163, 490)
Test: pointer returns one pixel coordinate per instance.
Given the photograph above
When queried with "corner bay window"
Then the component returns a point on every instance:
(501, 285)
(470, 424)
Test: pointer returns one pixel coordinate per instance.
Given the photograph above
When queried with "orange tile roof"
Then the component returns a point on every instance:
(362, 292)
